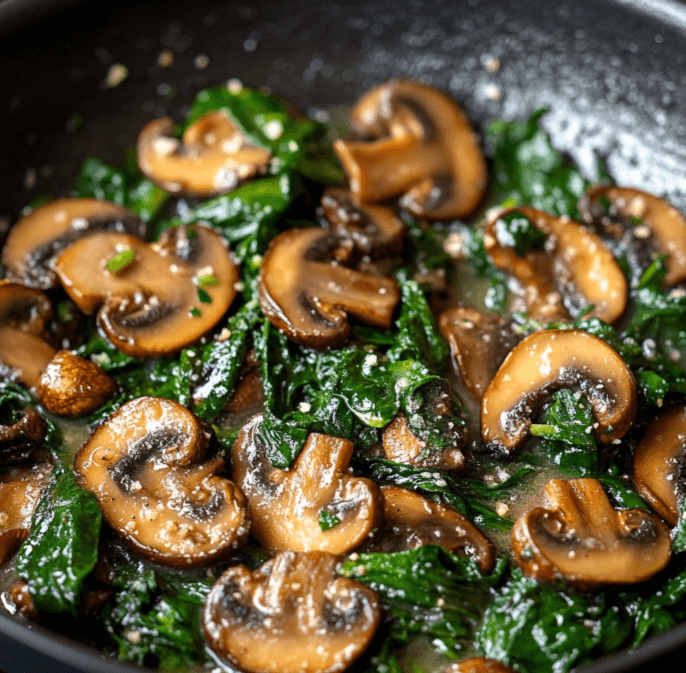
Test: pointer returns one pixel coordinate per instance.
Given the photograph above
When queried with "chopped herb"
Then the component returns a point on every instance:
(327, 521)
(195, 312)
(120, 260)
(207, 280)
(204, 296)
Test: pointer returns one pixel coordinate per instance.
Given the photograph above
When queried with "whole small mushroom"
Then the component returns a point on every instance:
(421, 146)
(581, 538)
(291, 615)
(212, 157)
(316, 505)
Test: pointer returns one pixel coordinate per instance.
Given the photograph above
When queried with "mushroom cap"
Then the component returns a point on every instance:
(212, 158)
(145, 307)
(291, 615)
(375, 230)
(157, 487)
(309, 297)
(425, 148)
(546, 362)
(659, 463)
(401, 445)
(37, 238)
(478, 665)
(479, 343)
(71, 386)
(665, 222)
(286, 506)
(581, 538)
(19, 440)
(24, 350)
(412, 521)
(582, 270)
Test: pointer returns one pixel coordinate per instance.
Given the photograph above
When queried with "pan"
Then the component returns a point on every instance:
(81, 78)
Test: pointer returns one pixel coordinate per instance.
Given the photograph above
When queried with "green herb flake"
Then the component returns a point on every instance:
(204, 296)
(122, 259)
(195, 312)
(207, 281)
(327, 521)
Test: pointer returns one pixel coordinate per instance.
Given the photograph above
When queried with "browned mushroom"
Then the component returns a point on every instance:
(616, 209)
(36, 239)
(422, 146)
(24, 349)
(659, 463)
(305, 292)
(20, 439)
(478, 665)
(291, 615)
(212, 157)
(159, 302)
(20, 601)
(151, 468)
(401, 445)
(316, 505)
(479, 343)
(71, 386)
(20, 489)
(581, 538)
(548, 361)
(375, 230)
(575, 269)
(412, 521)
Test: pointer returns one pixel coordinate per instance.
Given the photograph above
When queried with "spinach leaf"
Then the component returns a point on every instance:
(99, 180)
(426, 591)
(104, 354)
(535, 626)
(527, 169)
(567, 435)
(481, 265)
(62, 547)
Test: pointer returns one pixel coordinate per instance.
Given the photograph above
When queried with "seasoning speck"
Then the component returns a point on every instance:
(116, 75)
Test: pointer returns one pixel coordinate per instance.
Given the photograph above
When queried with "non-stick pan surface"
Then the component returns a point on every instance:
(611, 72)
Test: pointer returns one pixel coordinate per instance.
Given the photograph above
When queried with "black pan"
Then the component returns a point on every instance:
(611, 72)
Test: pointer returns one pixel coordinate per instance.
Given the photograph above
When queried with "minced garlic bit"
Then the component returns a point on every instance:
(116, 75)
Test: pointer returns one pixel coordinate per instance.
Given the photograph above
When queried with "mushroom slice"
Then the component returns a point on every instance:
(212, 157)
(616, 209)
(581, 538)
(479, 343)
(291, 615)
(24, 350)
(36, 239)
(308, 296)
(423, 147)
(546, 362)
(19, 440)
(153, 306)
(71, 386)
(151, 469)
(375, 230)
(575, 270)
(660, 462)
(20, 489)
(478, 665)
(412, 521)
(287, 508)
(401, 445)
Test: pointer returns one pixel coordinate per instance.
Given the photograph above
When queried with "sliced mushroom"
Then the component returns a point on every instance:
(151, 468)
(375, 230)
(581, 538)
(20, 489)
(575, 270)
(478, 665)
(287, 508)
(422, 146)
(24, 349)
(479, 343)
(20, 439)
(36, 239)
(660, 463)
(212, 157)
(412, 521)
(306, 294)
(71, 386)
(19, 601)
(615, 209)
(291, 615)
(548, 361)
(153, 306)
(401, 445)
